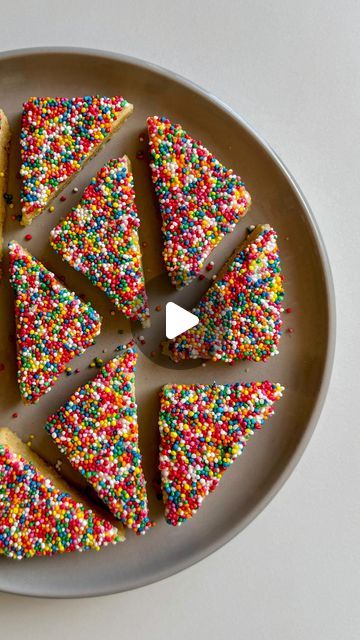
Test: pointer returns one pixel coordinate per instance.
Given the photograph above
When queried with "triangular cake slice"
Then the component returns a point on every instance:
(52, 324)
(97, 431)
(5, 135)
(40, 515)
(100, 238)
(58, 135)
(200, 200)
(203, 429)
(240, 313)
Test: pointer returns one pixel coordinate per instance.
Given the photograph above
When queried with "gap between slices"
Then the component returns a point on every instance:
(5, 136)
(100, 239)
(52, 324)
(40, 514)
(54, 147)
(200, 200)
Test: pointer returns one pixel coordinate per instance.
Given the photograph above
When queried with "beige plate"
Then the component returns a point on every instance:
(305, 358)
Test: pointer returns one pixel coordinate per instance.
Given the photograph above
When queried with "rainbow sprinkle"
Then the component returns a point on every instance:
(98, 432)
(57, 136)
(36, 519)
(200, 201)
(100, 239)
(52, 324)
(239, 315)
(203, 429)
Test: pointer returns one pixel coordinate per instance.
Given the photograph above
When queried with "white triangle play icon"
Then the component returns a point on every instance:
(178, 320)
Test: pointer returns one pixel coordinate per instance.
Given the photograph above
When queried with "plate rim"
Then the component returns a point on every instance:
(303, 442)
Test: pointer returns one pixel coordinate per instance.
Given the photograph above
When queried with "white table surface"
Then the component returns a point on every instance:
(292, 70)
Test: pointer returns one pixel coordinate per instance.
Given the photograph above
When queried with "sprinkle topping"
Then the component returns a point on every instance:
(239, 315)
(203, 429)
(36, 519)
(100, 239)
(57, 136)
(52, 324)
(200, 200)
(98, 432)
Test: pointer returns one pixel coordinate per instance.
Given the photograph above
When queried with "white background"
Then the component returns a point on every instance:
(292, 69)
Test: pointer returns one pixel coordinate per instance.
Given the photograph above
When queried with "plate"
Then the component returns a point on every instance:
(303, 364)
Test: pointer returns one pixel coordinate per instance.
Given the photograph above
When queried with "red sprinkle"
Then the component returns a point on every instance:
(290, 330)
(201, 276)
(15, 415)
(288, 310)
(62, 198)
(28, 236)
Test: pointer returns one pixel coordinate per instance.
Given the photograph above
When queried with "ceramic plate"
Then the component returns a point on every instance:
(303, 365)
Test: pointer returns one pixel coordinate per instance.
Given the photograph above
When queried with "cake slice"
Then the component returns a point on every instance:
(100, 238)
(97, 431)
(203, 429)
(52, 324)
(240, 313)
(5, 135)
(40, 515)
(58, 135)
(200, 200)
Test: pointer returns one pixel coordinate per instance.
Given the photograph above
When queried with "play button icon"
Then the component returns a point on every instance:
(169, 318)
(178, 320)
